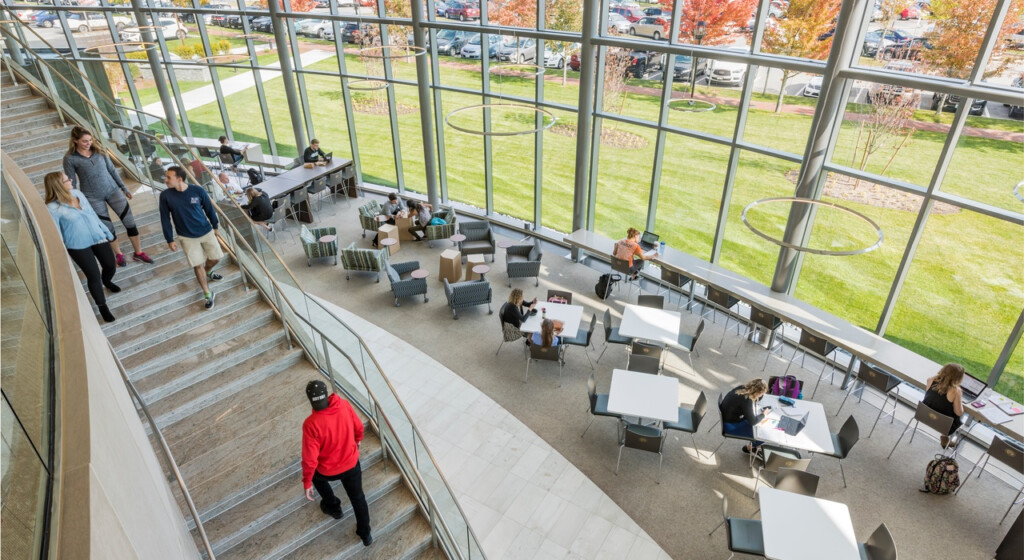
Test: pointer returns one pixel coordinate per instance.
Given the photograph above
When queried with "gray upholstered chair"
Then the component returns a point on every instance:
(368, 216)
(402, 283)
(363, 260)
(523, 261)
(443, 231)
(467, 294)
(479, 239)
(314, 248)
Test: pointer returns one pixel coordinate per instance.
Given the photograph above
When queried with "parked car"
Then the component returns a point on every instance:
(1016, 37)
(632, 13)
(235, 22)
(887, 92)
(873, 41)
(472, 47)
(44, 19)
(910, 12)
(439, 8)
(812, 88)
(264, 24)
(554, 59)
(909, 50)
(353, 32)
(220, 20)
(94, 21)
(314, 27)
(617, 23)
(642, 62)
(656, 11)
(462, 11)
(521, 51)
(725, 72)
(168, 26)
(450, 42)
(953, 103)
(653, 27)
(682, 66)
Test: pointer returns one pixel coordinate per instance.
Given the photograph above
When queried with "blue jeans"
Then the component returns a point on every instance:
(741, 429)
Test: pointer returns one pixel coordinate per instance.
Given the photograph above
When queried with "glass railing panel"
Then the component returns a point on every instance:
(23, 500)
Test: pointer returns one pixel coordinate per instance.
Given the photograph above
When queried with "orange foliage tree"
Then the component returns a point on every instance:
(797, 34)
(722, 19)
(513, 13)
(297, 5)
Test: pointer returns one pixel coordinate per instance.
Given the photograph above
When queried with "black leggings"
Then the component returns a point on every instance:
(86, 260)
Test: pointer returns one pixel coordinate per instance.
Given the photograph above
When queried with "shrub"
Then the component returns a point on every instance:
(185, 51)
(136, 55)
(221, 47)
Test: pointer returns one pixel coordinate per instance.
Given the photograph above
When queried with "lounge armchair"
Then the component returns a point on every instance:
(368, 216)
(314, 248)
(442, 231)
(402, 283)
(467, 294)
(363, 260)
(523, 261)
(479, 239)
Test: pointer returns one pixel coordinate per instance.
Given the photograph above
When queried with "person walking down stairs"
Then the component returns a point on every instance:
(189, 209)
(85, 238)
(330, 451)
(92, 171)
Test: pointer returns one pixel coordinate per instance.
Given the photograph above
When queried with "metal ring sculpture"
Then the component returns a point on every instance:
(534, 72)
(143, 45)
(1017, 191)
(791, 200)
(553, 119)
(213, 59)
(691, 105)
(384, 51)
(252, 36)
(367, 84)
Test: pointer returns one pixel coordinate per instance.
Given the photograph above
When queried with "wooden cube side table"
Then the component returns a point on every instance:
(389, 231)
(451, 266)
(471, 261)
(404, 221)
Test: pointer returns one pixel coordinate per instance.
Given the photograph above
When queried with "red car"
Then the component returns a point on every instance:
(910, 12)
(632, 13)
(462, 11)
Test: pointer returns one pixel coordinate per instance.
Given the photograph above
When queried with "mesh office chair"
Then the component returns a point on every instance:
(931, 418)
(879, 545)
(552, 354)
(656, 302)
(744, 535)
(883, 382)
(611, 334)
(674, 282)
(689, 419)
(1005, 452)
(597, 404)
(584, 339)
(644, 438)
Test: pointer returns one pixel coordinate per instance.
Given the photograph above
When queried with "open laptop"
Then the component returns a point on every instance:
(972, 387)
(793, 425)
(649, 241)
(328, 157)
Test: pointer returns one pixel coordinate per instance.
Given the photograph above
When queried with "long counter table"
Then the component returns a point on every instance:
(294, 179)
(909, 366)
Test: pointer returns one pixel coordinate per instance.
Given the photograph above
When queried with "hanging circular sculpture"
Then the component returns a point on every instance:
(792, 200)
(215, 58)
(96, 48)
(527, 70)
(367, 84)
(691, 105)
(551, 119)
(385, 51)
(253, 36)
(1017, 191)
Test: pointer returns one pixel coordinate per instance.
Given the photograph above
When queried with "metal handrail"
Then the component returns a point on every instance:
(165, 449)
(427, 496)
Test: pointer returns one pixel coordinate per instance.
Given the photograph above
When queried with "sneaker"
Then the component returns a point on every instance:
(213, 276)
(143, 257)
(335, 513)
(367, 540)
(121, 260)
(209, 300)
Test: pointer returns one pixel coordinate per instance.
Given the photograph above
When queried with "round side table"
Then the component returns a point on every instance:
(457, 238)
(505, 244)
(420, 273)
(327, 238)
(481, 269)
(388, 242)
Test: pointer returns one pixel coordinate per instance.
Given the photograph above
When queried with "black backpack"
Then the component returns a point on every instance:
(255, 177)
(604, 284)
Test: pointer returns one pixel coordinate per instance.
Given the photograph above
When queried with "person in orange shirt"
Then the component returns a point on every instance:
(330, 451)
(628, 249)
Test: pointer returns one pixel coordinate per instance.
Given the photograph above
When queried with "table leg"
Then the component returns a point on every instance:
(301, 212)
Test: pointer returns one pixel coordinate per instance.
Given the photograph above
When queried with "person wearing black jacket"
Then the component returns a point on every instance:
(313, 153)
(738, 414)
(515, 311)
(226, 148)
(259, 207)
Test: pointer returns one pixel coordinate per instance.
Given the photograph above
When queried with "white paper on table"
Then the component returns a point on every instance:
(993, 414)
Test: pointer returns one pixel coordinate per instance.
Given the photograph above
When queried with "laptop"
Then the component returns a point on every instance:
(793, 425)
(972, 387)
(649, 241)
(328, 157)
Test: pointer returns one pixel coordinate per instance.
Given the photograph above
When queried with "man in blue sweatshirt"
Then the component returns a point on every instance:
(190, 210)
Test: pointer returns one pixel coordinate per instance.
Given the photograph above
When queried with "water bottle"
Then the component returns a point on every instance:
(661, 250)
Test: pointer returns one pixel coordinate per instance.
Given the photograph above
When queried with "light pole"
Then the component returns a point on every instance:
(698, 34)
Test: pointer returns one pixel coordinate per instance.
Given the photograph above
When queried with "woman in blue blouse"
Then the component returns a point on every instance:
(86, 239)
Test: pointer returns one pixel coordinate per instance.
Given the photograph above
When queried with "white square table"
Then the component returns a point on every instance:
(644, 395)
(647, 323)
(569, 315)
(814, 437)
(798, 527)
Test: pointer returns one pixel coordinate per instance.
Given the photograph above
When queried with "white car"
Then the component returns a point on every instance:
(553, 59)
(170, 28)
(725, 72)
(92, 22)
(812, 88)
(314, 27)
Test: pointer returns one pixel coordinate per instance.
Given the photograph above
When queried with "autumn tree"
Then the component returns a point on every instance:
(797, 34)
(296, 5)
(722, 19)
(513, 13)
(887, 12)
(563, 15)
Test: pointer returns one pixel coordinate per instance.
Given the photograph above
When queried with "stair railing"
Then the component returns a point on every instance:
(337, 349)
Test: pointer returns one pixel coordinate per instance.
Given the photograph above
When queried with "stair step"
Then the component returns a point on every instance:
(27, 124)
(261, 510)
(22, 105)
(12, 93)
(181, 348)
(292, 534)
(51, 151)
(145, 336)
(156, 307)
(156, 278)
(16, 147)
(396, 527)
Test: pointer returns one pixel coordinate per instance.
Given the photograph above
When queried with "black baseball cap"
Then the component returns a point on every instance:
(316, 391)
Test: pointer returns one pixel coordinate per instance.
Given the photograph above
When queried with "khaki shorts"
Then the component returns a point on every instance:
(198, 250)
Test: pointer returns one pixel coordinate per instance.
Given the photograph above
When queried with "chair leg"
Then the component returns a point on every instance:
(695, 449)
(757, 482)
(716, 528)
(499, 347)
(968, 477)
(599, 356)
(619, 460)
(852, 389)
(842, 471)
(527, 376)
(900, 439)
(1013, 503)
(588, 426)
(880, 411)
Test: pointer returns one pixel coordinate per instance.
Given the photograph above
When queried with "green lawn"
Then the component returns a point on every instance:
(963, 292)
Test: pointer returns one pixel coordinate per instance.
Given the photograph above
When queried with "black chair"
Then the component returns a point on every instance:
(336, 185)
(819, 347)
(318, 189)
(760, 319)
(550, 354)
(584, 339)
(598, 404)
(644, 364)
(611, 334)
(931, 418)
(674, 282)
(883, 382)
(797, 482)
(689, 419)
(209, 154)
(644, 438)
(638, 348)
(656, 302)
(843, 442)
(622, 266)
(776, 458)
(1006, 452)
(567, 296)
(688, 342)
(745, 535)
(879, 545)
(721, 301)
(726, 435)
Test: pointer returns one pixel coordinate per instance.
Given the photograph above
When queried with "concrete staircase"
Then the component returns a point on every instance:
(225, 387)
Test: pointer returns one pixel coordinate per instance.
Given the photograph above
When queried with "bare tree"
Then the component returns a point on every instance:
(886, 124)
(615, 64)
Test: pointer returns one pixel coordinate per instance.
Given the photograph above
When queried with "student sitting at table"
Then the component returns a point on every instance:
(226, 148)
(391, 207)
(514, 311)
(628, 249)
(945, 396)
(738, 413)
(547, 337)
(156, 169)
(423, 212)
(259, 207)
(313, 153)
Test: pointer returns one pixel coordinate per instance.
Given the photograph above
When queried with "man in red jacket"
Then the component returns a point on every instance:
(330, 451)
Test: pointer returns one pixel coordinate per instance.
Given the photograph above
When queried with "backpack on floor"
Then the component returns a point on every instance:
(942, 475)
(786, 386)
(604, 284)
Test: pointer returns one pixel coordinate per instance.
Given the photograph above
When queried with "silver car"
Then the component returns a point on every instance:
(472, 48)
(813, 87)
(653, 27)
(523, 51)
(617, 23)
